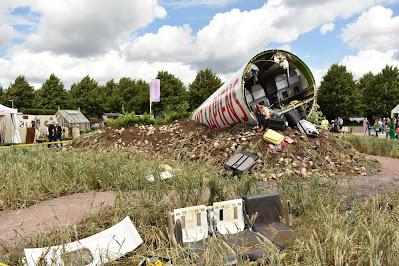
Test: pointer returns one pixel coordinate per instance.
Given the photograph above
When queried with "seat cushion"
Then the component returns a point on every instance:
(278, 233)
(249, 243)
(265, 208)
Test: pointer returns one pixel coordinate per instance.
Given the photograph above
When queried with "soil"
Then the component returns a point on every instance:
(19, 224)
(386, 180)
(326, 155)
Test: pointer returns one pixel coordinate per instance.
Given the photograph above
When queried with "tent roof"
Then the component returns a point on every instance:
(396, 109)
(7, 110)
(73, 116)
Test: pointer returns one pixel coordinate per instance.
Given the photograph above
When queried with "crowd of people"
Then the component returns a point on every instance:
(385, 126)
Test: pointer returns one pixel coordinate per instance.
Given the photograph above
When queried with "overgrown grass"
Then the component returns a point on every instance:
(374, 146)
(332, 228)
(131, 119)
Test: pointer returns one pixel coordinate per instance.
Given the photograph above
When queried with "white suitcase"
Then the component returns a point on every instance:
(308, 128)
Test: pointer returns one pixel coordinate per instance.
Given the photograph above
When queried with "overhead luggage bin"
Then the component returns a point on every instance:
(274, 78)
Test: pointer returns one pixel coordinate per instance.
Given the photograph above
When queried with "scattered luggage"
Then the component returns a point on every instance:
(241, 162)
(293, 117)
(308, 128)
(277, 122)
(273, 137)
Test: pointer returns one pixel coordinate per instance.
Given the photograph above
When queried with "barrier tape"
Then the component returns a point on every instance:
(21, 146)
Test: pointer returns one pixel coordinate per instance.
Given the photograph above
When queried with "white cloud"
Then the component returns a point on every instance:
(324, 29)
(189, 3)
(370, 60)
(110, 65)
(231, 38)
(376, 28)
(6, 33)
(89, 27)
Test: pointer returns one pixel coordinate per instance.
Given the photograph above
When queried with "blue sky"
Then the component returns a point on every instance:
(136, 39)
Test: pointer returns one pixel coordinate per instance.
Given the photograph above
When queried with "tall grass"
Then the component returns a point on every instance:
(332, 228)
(374, 146)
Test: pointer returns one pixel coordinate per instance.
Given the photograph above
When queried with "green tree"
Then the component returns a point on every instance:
(1, 95)
(206, 82)
(87, 96)
(339, 94)
(173, 94)
(381, 91)
(52, 94)
(366, 86)
(21, 93)
(133, 95)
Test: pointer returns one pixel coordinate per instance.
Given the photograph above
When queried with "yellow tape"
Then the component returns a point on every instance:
(20, 146)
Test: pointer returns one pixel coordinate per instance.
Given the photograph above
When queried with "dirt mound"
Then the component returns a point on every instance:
(184, 139)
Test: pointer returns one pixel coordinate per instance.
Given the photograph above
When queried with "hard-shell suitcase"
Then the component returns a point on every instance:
(277, 122)
(293, 118)
(273, 137)
(241, 162)
(308, 128)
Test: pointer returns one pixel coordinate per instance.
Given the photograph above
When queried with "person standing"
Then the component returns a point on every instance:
(366, 127)
(50, 134)
(376, 127)
(392, 128)
(58, 133)
(340, 123)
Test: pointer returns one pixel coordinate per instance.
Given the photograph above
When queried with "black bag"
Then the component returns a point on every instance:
(293, 117)
(241, 162)
(277, 122)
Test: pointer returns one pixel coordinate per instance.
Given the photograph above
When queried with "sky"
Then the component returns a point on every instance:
(137, 38)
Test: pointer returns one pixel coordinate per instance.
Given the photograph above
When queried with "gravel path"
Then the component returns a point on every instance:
(19, 224)
(386, 180)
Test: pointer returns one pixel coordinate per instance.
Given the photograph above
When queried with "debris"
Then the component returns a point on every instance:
(155, 261)
(196, 143)
(289, 140)
(108, 245)
(165, 175)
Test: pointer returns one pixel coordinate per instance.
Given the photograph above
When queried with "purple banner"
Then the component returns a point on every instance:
(155, 91)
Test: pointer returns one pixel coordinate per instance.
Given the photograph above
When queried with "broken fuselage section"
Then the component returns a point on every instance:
(275, 78)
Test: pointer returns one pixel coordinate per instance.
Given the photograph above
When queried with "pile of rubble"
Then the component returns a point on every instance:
(326, 155)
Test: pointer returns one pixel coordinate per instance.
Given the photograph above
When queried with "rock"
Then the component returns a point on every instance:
(216, 144)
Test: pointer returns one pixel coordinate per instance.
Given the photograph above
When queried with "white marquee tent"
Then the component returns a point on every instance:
(9, 125)
(395, 111)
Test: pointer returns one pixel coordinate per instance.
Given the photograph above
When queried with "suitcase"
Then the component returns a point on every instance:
(277, 122)
(308, 128)
(273, 137)
(241, 162)
(293, 117)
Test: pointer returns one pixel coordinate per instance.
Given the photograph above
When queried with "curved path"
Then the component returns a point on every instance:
(17, 225)
(386, 180)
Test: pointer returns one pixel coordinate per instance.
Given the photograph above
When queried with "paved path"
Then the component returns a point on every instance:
(19, 224)
(387, 180)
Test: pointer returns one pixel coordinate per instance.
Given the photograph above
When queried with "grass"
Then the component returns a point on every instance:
(332, 228)
(374, 146)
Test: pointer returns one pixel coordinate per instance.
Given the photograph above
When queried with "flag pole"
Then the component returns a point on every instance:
(150, 100)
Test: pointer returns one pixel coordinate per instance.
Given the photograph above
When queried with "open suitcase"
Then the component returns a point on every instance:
(241, 162)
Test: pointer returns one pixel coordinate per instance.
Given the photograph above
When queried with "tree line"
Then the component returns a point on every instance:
(124, 96)
(373, 95)
(338, 95)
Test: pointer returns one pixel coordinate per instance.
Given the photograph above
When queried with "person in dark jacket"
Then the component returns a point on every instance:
(58, 133)
(50, 134)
